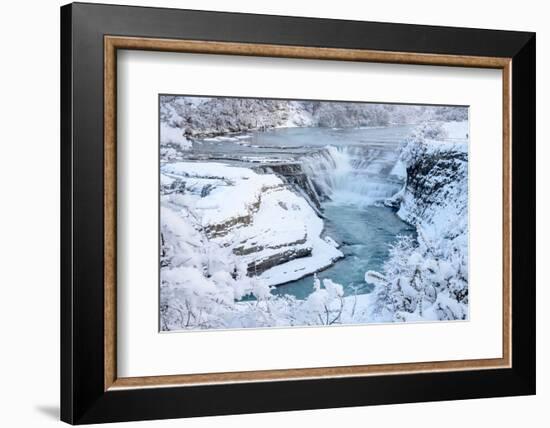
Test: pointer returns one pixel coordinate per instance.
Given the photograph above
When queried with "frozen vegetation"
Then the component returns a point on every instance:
(202, 116)
(232, 231)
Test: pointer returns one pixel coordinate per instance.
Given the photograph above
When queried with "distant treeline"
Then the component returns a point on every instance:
(199, 116)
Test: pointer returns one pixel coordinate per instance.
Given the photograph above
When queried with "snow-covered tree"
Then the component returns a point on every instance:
(205, 116)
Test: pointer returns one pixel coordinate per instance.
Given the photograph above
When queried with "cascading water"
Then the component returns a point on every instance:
(353, 175)
(353, 171)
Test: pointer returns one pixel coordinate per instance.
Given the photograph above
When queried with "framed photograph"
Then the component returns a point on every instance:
(266, 213)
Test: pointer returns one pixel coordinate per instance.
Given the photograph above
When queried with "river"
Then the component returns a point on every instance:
(352, 169)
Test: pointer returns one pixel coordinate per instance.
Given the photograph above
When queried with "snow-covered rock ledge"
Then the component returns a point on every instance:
(261, 223)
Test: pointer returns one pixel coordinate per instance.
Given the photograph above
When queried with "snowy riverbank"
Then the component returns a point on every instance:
(257, 218)
(428, 279)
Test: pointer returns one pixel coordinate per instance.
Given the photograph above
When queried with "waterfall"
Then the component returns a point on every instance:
(354, 175)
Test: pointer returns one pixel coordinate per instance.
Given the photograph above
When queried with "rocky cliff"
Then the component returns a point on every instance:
(427, 279)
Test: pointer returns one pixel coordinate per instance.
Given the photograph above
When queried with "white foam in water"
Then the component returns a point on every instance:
(354, 175)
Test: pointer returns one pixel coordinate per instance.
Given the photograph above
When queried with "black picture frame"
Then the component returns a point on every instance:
(83, 397)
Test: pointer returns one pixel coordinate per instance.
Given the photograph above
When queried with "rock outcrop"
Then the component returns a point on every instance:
(262, 219)
(427, 279)
(293, 174)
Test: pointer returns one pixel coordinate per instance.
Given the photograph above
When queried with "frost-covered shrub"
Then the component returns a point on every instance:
(192, 299)
(421, 282)
(200, 280)
(326, 302)
(428, 130)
